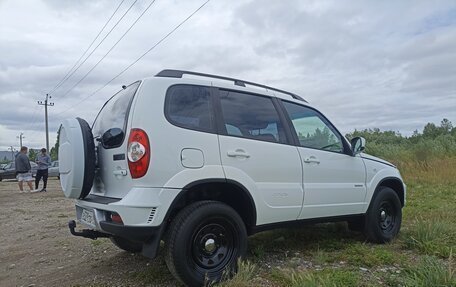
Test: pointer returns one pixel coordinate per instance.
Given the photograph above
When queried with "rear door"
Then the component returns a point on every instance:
(255, 152)
(112, 177)
(334, 181)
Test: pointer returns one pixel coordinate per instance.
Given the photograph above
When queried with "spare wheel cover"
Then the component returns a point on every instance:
(76, 158)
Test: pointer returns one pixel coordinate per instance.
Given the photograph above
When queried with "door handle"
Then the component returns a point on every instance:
(120, 172)
(237, 153)
(312, 159)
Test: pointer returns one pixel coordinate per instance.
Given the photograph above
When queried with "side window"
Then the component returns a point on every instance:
(313, 130)
(250, 116)
(190, 107)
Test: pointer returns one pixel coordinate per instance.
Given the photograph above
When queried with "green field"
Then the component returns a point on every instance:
(331, 255)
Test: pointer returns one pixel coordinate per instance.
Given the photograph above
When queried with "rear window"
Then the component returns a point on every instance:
(190, 107)
(115, 111)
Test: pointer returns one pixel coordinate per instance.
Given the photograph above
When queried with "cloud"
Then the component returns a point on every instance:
(365, 63)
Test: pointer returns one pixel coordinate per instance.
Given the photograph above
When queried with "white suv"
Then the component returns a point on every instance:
(202, 161)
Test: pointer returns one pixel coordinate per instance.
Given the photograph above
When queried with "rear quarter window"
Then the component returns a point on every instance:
(190, 107)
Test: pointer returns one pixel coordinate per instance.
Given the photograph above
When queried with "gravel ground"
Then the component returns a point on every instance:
(37, 248)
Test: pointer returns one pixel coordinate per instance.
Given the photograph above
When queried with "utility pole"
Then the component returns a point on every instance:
(20, 137)
(46, 104)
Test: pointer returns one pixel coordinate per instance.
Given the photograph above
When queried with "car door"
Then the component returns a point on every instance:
(255, 152)
(333, 179)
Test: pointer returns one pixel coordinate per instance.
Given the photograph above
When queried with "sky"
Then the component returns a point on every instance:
(364, 64)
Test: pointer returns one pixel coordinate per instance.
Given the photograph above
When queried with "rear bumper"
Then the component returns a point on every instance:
(149, 236)
(142, 210)
(135, 233)
(140, 207)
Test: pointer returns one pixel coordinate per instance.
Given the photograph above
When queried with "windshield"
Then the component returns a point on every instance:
(115, 111)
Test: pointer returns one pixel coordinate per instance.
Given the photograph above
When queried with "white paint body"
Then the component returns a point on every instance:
(283, 185)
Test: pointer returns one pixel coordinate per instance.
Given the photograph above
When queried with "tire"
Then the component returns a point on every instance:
(127, 245)
(89, 158)
(384, 216)
(204, 243)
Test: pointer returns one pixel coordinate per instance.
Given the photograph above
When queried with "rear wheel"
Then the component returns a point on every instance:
(127, 245)
(384, 216)
(204, 243)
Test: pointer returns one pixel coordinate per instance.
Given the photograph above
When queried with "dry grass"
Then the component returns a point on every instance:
(437, 170)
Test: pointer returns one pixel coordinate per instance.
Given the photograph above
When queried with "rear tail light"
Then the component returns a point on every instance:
(138, 153)
(115, 217)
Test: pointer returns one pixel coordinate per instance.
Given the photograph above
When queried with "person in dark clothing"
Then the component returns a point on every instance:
(44, 161)
(23, 169)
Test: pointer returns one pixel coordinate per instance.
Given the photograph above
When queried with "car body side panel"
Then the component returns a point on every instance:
(168, 141)
(376, 172)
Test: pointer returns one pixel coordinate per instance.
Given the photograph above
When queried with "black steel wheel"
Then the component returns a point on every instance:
(204, 243)
(384, 216)
(387, 216)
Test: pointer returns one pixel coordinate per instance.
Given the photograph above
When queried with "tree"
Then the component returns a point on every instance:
(32, 154)
(54, 153)
(431, 130)
(446, 126)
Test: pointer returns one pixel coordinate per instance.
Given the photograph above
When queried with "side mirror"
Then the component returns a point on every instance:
(358, 145)
(112, 138)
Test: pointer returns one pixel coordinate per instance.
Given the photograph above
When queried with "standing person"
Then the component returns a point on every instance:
(44, 161)
(23, 169)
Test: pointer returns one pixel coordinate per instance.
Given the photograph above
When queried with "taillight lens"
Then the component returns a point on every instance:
(115, 217)
(138, 153)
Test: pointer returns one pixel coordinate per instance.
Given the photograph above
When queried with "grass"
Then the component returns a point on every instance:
(244, 277)
(327, 277)
(152, 275)
(432, 237)
(435, 171)
(97, 242)
(430, 272)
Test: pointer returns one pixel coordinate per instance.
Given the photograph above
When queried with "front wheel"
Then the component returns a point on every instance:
(384, 216)
(204, 243)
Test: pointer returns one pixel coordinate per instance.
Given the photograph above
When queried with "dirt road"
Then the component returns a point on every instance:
(37, 248)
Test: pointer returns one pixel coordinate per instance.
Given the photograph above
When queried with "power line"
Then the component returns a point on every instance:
(83, 54)
(138, 59)
(102, 40)
(34, 121)
(109, 51)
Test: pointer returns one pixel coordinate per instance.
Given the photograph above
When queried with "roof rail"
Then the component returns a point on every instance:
(179, 73)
